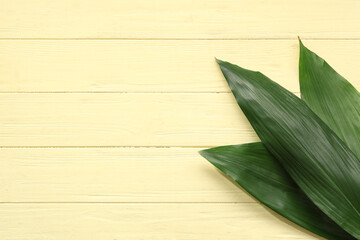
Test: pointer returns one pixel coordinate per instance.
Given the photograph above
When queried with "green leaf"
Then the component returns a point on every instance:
(253, 168)
(331, 97)
(313, 155)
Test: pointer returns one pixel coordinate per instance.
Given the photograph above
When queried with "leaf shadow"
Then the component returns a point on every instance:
(272, 212)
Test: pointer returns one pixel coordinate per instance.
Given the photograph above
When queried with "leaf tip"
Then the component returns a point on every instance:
(300, 42)
(207, 153)
(203, 152)
(219, 61)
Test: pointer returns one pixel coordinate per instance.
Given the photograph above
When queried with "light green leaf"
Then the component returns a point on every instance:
(331, 97)
(253, 168)
(313, 155)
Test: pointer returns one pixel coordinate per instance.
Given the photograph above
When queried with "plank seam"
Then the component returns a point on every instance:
(186, 39)
(129, 203)
(45, 147)
(95, 92)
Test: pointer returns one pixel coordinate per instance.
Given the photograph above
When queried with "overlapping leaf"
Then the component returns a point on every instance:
(319, 162)
(263, 177)
(331, 97)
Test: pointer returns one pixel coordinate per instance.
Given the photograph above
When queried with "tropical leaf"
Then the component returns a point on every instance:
(331, 97)
(313, 155)
(253, 168)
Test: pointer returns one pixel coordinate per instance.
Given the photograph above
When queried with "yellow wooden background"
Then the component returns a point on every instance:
(105, 104)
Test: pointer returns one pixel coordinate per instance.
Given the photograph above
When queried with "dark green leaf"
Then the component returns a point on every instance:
(331, 97)
(314, 156)
(251, 166)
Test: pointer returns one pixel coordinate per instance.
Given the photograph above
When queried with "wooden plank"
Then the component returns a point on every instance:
(144, 221)
(157, 66)
(185, 119)
(113, 175)
(179, 19)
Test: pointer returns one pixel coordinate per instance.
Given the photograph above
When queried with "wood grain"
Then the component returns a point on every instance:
(157, 66)
(122, 120)
(143, 221)
(112, 175)
(179, 19)
(79, 79)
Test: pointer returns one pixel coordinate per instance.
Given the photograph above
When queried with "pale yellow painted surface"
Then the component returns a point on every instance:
(157, 65)
(179, 19)
(132, 119)
(105, 104)
(112, 175)
(144, 221)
